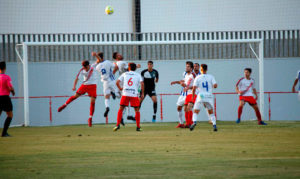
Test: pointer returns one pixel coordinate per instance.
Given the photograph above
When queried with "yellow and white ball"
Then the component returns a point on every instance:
(109, 10)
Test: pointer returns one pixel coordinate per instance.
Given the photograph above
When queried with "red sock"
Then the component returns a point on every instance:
(70, 99)
(138, 118)
(119, 118)
(92, 108)
(240, 110)
(186, 115)
(258, 115)
(190, 117)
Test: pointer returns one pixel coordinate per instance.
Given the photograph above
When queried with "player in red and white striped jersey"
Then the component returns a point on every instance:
(130, 84)
(245, 88)
(89, 85)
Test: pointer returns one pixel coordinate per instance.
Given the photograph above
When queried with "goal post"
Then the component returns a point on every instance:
(25, 57)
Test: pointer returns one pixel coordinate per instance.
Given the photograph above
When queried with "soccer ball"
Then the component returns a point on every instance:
(109, 10)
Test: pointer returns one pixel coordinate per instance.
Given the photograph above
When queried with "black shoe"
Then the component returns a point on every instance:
(116, 128)
(154, 118)
(122, 122)
(113, 95)
(6, 135)
(138, 129)
(106, 112)
(215, 128)
(192, 126)
(130, 118)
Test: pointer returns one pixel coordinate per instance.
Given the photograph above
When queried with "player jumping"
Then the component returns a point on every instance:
(89, 86)
(204, 83)
(245, 89)
(131, 82)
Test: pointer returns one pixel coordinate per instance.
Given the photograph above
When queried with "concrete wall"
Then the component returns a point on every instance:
(67, 16)
(56, 79)
(216, 15)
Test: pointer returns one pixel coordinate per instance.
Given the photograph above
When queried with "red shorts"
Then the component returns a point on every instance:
(134, 101)
(189, 99)
(248, 99)
(91, 90)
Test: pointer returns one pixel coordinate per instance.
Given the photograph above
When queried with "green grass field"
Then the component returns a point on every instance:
(159, 151)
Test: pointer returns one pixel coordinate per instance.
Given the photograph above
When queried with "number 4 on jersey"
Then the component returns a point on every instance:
(205, 85)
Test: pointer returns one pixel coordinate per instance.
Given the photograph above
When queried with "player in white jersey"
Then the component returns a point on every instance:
(89, 85)
(295, 83)
(180, 102)
(204, 83)
(105, 68)
(131, 82)
(245, 88)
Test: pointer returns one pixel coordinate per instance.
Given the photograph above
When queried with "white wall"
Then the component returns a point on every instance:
(56, 79)
(64, 16)
(216, 15)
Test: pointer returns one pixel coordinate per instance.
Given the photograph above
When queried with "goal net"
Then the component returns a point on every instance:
(49, 70)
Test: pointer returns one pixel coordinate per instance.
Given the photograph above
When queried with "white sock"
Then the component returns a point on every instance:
(106, 102)
(195, 117)
(213, 119)
(180, 117)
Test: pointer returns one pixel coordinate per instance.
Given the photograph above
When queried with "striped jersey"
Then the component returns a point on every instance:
(246, 86)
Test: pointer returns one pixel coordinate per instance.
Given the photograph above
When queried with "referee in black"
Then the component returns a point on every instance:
(150, 77)
(5, 102)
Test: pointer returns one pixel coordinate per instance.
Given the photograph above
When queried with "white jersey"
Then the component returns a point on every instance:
(204, 84)
(131, 82)
(89, 77)
(105, 68)
(246, 86)
(189, 80)
(122, 66)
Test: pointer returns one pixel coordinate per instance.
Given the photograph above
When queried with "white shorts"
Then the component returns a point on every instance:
(181, 100)
(110, 86)
(207, 103)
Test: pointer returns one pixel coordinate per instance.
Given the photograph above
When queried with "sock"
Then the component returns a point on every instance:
(240, 110)
(155, 107)
(186, 115)
(195, 115)
(258, 115)
(190, 117)
(70, 100)
(92, 109)
(106, 102)
(180, 117)
(213, 119)
(138, 118)
(6, 125)
(119, 118)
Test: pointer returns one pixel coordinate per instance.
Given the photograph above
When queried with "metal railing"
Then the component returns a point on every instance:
(277, 44)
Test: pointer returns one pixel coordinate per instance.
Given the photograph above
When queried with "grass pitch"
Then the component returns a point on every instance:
(243, 150)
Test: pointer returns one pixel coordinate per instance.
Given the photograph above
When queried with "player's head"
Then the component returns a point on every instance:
(85, 64)
(150, 65)
(196, 67)
(189, 66)
(115, 55)
(131, 66)
(2, 66)
(100, 55)
(203, 68)
(247, 72)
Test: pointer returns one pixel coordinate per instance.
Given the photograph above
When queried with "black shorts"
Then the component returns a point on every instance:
(150, 93)
(5, 104)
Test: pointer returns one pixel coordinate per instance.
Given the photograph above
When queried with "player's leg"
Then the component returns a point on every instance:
(8, 108)
(258, 115)
(186, 115)
(210, 111)
(135, 102)
(240, 110)
(196, 109)
(92, 110)
(119, 117)
(180, 117)
(190, 113)
(106, 92)
(154, 99)
(72, 98)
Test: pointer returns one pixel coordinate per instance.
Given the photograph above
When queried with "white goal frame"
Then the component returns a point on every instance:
(24, 60)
